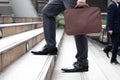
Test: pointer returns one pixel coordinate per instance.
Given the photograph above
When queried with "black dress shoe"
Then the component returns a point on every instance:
(76, 64)
(46, 51)
(107, 49)
(114, 62)
(107, 53)
(76, 69)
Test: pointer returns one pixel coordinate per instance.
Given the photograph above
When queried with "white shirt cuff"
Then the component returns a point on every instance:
(82, 0)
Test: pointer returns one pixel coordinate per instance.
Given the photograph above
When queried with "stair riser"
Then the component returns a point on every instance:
(52, 64)
(0, 63)
(12, 54)
(7, 19)
(8, 31)
(50, 70)
(19, 20)
(32, 42)
(1, 20)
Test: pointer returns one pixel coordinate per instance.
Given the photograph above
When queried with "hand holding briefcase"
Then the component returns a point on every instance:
(82, 21)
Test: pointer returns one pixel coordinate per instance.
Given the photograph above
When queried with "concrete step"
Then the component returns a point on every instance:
(10, 19)
(33, 67)
(15, 46)
(14, 28)
(5, 8)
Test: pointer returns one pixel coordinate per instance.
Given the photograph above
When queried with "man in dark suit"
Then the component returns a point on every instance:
(50, 11)
(113, 27)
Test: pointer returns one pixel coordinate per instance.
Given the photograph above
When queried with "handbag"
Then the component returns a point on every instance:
(82, 20)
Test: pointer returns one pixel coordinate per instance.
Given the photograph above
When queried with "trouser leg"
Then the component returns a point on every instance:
(81, 40)
(50, 11)
(115, 44)
(82, 49)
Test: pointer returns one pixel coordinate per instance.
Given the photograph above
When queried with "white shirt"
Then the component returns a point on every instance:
(82, 0)
(117, 4)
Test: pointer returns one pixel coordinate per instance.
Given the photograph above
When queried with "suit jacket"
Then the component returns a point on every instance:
(113, 18)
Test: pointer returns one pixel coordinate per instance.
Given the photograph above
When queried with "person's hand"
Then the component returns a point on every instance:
(110, 32)
(80, 4)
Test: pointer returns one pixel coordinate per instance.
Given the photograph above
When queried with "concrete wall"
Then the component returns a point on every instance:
(23, 8)
(35, 4)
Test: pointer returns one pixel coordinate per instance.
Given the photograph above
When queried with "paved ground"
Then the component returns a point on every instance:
(99, 65)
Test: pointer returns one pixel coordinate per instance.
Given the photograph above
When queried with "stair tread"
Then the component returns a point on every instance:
(10, 41)
(29, 66)
(17, 24)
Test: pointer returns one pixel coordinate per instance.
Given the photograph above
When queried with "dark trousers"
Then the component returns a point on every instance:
(50, 11)
(115, 44)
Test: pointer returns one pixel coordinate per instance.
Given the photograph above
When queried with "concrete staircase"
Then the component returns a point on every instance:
(16, 60)
(5, 8)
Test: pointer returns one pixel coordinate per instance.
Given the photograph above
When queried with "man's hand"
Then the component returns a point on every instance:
(110, 32)
(80, 4)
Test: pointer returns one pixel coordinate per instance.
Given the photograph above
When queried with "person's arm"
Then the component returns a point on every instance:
(110, 18)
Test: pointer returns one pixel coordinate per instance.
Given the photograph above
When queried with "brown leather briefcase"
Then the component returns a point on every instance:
(82, 20)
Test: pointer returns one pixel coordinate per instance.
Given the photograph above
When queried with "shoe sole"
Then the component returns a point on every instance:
(85, 70)
(54, 53)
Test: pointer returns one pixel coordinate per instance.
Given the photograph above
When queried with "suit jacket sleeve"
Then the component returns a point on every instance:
(110, 17)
